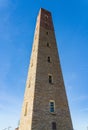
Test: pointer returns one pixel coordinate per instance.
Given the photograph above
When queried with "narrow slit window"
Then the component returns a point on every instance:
(48, 59)
(29, 82)
(48, 44)
(50, 79)
(46, 33)
(52, 106)
(29, 85)
(53, 125)
(31, 63)
(26, 106)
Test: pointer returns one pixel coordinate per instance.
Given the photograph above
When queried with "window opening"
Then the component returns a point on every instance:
(50, 78)
(53, 125)
(46, 33)
(48, 59)
(52, 106)
(48, 44)
(25, 114)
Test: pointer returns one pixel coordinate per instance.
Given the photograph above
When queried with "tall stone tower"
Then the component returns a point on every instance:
(45, 105)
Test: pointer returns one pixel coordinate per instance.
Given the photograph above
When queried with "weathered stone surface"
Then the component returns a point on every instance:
(36, 113)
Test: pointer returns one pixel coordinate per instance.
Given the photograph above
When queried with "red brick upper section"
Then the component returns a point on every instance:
(46, 19)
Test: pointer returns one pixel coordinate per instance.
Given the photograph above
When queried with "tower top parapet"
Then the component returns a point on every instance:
(45, 19)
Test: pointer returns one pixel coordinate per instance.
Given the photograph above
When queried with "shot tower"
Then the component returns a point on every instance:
(45, 105)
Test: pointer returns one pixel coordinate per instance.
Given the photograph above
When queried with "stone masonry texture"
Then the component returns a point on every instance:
(39, 92)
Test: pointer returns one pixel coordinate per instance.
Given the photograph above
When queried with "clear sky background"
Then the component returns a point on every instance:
(17, 24)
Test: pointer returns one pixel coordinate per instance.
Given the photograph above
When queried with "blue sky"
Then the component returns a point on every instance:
(17, 23)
